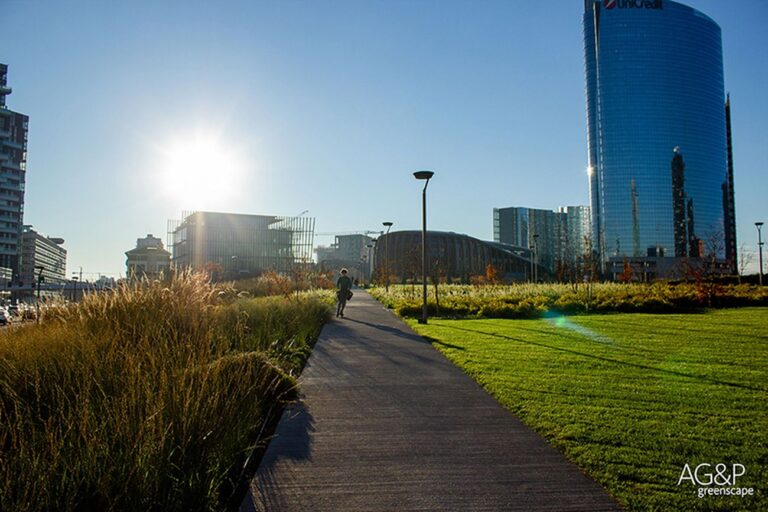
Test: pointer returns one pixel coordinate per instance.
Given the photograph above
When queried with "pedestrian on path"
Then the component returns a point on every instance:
(344, 293)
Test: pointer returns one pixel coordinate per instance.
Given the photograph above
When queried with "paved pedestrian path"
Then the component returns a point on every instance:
(386, 423)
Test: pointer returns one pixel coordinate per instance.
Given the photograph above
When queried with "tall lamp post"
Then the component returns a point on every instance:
(74, 288)
(39, 281)
(426, 176)
(370, 261)
(531, 247)
(388, 225)
(759, 226)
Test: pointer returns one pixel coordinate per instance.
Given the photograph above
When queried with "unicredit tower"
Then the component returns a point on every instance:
(661, 180)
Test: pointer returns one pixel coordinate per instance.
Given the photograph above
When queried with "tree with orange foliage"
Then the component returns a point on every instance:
(491, 274)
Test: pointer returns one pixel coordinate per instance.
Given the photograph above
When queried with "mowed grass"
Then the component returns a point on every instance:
(632, 398)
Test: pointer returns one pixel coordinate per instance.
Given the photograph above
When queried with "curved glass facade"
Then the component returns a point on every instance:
(654, 83)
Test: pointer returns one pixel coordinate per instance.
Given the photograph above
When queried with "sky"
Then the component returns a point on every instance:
(325, 106)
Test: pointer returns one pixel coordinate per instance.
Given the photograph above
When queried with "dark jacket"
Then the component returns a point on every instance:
(344, 284)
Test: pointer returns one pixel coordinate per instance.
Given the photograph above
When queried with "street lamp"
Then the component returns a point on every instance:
(531, 255)
(388, 225)
(74, 289)
(759, 226)
(37, 304)
(424, 175)
(370, 261)
(363, 260)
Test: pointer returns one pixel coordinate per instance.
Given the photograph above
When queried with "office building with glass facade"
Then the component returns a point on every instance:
(13, 168)
(44, 256)
(238, 244)
(656, 131)
(555, 239)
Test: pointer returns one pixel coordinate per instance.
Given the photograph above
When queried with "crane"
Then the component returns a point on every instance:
(342, 233)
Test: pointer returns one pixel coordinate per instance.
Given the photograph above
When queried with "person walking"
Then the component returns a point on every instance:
(344, 292)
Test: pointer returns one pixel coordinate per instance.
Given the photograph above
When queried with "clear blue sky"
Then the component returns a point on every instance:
(327, 107)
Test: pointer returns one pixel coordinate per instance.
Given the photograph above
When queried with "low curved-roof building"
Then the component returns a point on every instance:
(450, 256)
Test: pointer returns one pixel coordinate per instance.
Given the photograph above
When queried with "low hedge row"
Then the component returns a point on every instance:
(531, 301)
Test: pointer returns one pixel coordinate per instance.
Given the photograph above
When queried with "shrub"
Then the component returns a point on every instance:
(532, 300)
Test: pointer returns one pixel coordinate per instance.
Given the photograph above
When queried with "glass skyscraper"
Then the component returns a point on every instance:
(13, 170)
(656, 129)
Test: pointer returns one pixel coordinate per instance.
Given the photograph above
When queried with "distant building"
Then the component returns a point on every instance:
(105, 283)
(38, 250)
(6, 281)
(578, 226)
(348, 251)
(149, 259)
(556, 238)
(239, 244)
(450, 256)
(13, 168)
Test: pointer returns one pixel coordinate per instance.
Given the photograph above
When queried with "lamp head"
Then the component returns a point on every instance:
(758, 224)
(387, 224)
(423, 175)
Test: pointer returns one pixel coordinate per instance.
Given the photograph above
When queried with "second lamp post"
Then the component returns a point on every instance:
(424, 175)
(387, 225)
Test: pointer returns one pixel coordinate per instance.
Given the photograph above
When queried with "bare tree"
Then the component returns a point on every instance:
(747, 257)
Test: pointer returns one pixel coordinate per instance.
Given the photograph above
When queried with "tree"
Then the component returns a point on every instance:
(626, 274)
(438, 274)
(491, 274)
(747, 257)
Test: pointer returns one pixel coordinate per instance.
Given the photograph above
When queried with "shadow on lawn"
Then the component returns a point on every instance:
(608, 359)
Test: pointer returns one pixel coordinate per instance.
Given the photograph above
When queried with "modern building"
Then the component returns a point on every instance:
(238, 244)
(13, 168)
(38, 250)
(349, 251)
(450, 256)
(577, 232)
(6, 281)
(148, 259)
(556, 238)
(658, 165)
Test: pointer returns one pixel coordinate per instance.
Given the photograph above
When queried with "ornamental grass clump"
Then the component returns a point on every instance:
(147, 398)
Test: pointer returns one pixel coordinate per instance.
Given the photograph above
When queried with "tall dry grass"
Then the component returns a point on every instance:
(147, 398)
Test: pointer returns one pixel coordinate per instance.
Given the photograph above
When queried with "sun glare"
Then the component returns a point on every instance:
(200, 171)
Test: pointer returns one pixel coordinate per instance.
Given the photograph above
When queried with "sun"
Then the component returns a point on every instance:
(200, 171)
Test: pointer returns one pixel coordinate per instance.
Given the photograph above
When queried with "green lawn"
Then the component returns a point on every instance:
(632, 398)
